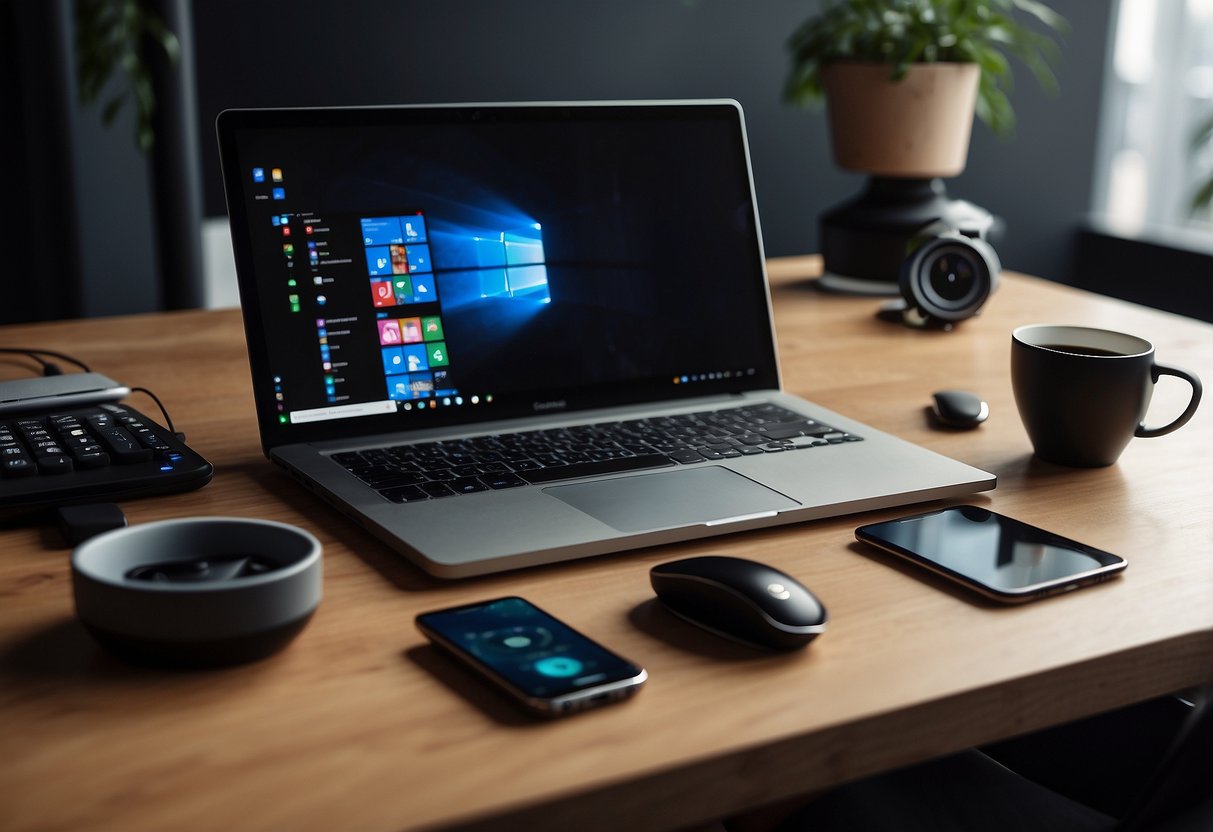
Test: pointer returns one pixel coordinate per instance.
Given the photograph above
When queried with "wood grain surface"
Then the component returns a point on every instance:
(359, 724)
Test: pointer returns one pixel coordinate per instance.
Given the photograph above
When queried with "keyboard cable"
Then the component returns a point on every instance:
(51, 369)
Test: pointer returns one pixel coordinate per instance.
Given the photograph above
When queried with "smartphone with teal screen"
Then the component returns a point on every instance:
(543, 663)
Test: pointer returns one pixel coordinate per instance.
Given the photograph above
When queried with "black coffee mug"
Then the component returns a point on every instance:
(1082, 393)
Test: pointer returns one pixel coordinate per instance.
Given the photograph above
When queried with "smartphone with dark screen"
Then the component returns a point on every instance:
(540, 661)
(1000, 557)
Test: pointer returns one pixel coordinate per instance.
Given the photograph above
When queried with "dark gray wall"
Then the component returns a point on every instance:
(388, 51)
(75, 223)
(304, 52)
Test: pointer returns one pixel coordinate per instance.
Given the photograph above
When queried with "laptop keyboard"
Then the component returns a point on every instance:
(104, 452)
(424, 471)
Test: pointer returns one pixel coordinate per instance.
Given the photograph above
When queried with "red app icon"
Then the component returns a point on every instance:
(381, 291)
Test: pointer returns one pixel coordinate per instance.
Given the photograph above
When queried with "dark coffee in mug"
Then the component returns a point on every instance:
(1082, 392)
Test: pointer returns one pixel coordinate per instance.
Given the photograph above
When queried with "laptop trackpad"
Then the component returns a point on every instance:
(677, 498)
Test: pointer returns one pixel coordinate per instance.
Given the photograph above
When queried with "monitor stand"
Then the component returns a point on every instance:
(865, 239)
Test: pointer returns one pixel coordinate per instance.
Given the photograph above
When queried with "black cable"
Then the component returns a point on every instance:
(48, 368)
(168, 421)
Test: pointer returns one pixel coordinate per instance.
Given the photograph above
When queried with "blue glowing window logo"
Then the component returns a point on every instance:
(514, 263)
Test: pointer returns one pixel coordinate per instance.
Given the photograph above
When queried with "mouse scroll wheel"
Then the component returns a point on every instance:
(778, 590)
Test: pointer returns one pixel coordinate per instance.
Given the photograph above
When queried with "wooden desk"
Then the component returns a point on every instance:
(358, 725)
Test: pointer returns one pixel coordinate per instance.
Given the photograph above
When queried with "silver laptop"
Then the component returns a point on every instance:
(501, 335)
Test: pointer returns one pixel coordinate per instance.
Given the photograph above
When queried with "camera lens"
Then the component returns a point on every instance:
(951, 276)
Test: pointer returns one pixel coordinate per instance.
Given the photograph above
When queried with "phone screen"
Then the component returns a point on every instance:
(532, 654)
(1001, 556)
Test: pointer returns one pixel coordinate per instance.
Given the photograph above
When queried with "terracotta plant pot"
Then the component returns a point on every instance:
(916, 127)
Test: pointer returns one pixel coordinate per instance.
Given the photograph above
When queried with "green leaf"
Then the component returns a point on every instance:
(111, 110)
(1203, 135)
(1204, 197)
(110, 38)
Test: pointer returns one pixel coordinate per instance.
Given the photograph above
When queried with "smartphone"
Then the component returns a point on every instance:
(1000, 557)
(543, 663)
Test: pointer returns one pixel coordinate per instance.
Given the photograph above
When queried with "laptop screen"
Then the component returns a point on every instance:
(407, 268)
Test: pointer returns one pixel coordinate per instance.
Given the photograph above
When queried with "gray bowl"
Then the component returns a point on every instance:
(197, 592)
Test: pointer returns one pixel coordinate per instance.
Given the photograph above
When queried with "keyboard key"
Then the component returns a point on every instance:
(55, 464)
(437, 489)
(18, 467)
(506, 480)
(122, 447)
(92, 459)
(785, 430)
(467, 485)
(406, 494)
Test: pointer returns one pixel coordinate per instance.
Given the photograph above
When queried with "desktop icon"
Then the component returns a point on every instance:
(381, 231)
(403, 289)
(276, 174)
(431, 328)
(423, 288)
(258, 174)
(279, 193)
(410, 329)
(417, 258)
(436, 353)
(414, 229)
(378, 261)
(415, 358)
(381, 293)
(389, 332)
(393, 361)
(400, 261)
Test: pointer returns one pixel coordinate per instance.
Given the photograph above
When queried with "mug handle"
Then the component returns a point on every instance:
(1165, 370)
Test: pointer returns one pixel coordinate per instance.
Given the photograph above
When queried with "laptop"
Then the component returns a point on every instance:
(502, 335)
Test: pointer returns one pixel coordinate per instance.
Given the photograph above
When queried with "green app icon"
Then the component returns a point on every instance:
(436, 353)
(403, 290)
(431, 328)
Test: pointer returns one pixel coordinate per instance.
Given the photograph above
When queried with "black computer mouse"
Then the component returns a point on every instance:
(959, 409)
(740, 599)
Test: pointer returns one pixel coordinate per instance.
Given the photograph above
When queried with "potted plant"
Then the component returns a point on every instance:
(903, 78)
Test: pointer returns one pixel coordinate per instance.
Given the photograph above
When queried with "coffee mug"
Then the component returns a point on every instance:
(1082, 393)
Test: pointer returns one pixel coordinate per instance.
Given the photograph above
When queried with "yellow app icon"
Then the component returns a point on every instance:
(276, 174)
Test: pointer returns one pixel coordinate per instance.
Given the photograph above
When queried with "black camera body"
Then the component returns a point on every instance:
(946, 277)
